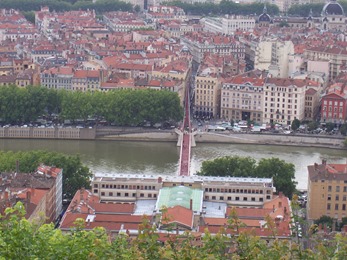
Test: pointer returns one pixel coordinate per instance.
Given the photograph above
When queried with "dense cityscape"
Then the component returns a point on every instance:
(188, 73)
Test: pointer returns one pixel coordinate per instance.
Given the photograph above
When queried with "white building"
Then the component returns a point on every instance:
(229, 24)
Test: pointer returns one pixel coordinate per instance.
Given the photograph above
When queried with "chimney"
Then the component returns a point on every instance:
(315, 166)
(28, 197)
(81, 194)
(160, 179)
(191, 204)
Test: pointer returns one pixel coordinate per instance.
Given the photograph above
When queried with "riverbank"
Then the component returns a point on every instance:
(235, 138)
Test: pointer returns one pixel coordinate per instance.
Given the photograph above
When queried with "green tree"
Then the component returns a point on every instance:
(330, 126)
(295, 124)
(325, 220)
(283, 173)
(343, 129)
(312, 125)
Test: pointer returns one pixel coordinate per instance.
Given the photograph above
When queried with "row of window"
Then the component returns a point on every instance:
(122, 186)
(337, 188)
(229, 198)
(249, 191)
(126, 194)
(337, 206)
(337, 197)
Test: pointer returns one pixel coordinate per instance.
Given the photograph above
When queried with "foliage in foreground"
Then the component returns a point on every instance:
(283, 173)
(75, 174)
(21, 239)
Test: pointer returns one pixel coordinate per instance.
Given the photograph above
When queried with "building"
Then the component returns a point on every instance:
(242, 98)
(327, 190)
(200, 43)
(333, 104)
(284, 100)
(333, 17)
(41, 192)
(228, 25)
(119, 202)
(311, 104)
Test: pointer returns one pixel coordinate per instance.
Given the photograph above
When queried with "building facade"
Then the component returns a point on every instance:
(327, 190)
(242, 99)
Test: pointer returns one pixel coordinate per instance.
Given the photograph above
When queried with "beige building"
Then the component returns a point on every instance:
(253, 192)
(284, 100)
(327, 190)
(242, 99)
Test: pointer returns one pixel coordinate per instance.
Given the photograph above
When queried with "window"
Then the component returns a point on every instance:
(268, 197)
(142, 195)
(244, 198)
(344, 188)
(329, 188)
(95, 185)
(95, 191)
(118, 194)
(213, 197)
(344, 198)
(337, 197)
(337, 188)
(328, 206)
(329, 197)
(336, 206)
(126, 194)
(110, 194)
(253, 199)
(229, 198)
(134, 194)
(343, 207)
(221, 198)
(102, 193)
(237, 198)
(261, 199)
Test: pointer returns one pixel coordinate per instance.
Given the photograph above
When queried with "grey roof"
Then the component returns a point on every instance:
(332, 8)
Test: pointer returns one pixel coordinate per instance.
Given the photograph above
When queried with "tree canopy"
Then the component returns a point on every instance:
(283, 173)
(123, 107)
(99, 6)
(224, 7)
(22, 239)
(75, 174)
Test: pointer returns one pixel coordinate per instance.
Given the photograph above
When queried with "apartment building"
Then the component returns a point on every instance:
(233, 191)
(40, 192)
(333, 104)
(200, 43)
(269, 54)
(284, 100)
(327, 190)
(228, 25)
(57, 78)
(312, 99)
(335, 55)
(242, 98)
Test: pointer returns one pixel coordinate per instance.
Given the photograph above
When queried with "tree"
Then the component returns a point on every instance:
(325, 220)
(343, 129)
(330, 126)
(312, 125)
(137, 8)
(283, 173)
(295, 124)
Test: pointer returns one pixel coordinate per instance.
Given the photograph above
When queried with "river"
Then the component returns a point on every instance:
(162, 158)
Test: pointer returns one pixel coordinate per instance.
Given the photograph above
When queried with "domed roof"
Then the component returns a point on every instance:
(264, 17)
(332, 8)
